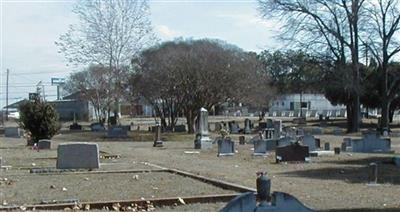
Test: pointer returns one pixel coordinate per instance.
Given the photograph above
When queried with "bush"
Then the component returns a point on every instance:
(39, 118)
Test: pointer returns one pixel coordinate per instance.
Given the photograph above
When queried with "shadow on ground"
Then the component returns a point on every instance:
(387, 174)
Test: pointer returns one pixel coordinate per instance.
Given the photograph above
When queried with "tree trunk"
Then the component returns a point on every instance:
(385, 114)
(190, 121)
(349, 117)
(391, 114)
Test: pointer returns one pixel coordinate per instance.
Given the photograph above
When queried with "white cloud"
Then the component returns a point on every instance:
(166, 32)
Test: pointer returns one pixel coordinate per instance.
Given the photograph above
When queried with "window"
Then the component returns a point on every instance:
(303, 104)
(283, 103)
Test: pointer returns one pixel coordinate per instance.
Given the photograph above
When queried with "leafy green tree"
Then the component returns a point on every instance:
(39, 118)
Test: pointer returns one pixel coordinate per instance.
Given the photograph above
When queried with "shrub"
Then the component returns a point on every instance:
(39, 118)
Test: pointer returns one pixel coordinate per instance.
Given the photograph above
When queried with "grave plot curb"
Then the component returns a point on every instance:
(167, 201)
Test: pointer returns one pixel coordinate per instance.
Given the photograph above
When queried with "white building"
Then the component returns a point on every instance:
(316, 103)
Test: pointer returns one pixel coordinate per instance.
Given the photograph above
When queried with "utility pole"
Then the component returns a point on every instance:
(8, 72)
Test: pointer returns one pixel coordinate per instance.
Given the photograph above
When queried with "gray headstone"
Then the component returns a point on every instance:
(371, 143)
(117, 132)
(202, 140)
(327, 146)
(80, 155)
(285, 141)
(281, 202)
(309, 140)
(97, 127)
(13, 132)
(270, 123)
(242, 203)
(44, 144)
(247, 126)
(234, 127)
(157, 137)
(226, 147)
(260, 147)
(277, 129)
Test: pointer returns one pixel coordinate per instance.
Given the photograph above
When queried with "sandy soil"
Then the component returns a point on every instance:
(327, 182)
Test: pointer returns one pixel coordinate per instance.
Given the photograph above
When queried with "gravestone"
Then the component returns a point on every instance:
(242, 140)
(262, 125)
(371, 143)
(327, 146)
(268, 133)
(12, 132)
(97, 127)
(309, 140)
(44, 144)
(218, 126)
(285, 141)
(157, 137)
(75, 126)
(260, 147)
(117, 132)
(293, 152)
(125, 127)
(316, 131)
(79, 155)
(277, 129)
(226, 147)
(242, 203)
(270, 123)
(318, 143)
(180, 128)
(313, 113)
(337, 131)
(346, 144)
(247, 124)
(202, 140)
(233, 127)
(396, 161)
(275, 202)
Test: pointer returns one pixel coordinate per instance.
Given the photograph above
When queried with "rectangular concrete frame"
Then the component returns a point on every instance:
(78, 155)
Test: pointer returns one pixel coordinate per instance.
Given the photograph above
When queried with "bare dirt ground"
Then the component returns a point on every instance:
(327, 182)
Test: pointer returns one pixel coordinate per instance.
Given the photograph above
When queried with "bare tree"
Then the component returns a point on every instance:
(384, 43)
(92, 85)
(328, 28)
(186, 75)
(110, 33)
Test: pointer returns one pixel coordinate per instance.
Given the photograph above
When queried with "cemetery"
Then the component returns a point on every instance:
(171, 105)
(87, 169)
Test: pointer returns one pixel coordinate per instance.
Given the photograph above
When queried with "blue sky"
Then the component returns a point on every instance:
(30, 27)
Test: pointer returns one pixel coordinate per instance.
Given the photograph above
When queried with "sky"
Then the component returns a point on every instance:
(29, 29)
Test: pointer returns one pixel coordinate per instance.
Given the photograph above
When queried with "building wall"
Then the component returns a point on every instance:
(291, 102)
(67, 108)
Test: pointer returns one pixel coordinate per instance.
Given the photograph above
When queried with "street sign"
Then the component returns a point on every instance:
(57, 81)
(33, 96)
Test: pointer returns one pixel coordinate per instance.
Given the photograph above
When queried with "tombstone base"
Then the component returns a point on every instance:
(225, 154)
(260, 154)
(158, 144)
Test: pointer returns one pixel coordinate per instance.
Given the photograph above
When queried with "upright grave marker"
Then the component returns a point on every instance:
(226, 147)
(202, 140)
(80, 155)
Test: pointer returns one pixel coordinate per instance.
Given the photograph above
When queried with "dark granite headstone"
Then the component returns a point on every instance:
(75, 126)
(180, 128)
(44, 144)
(294, 152)
(242, 140)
